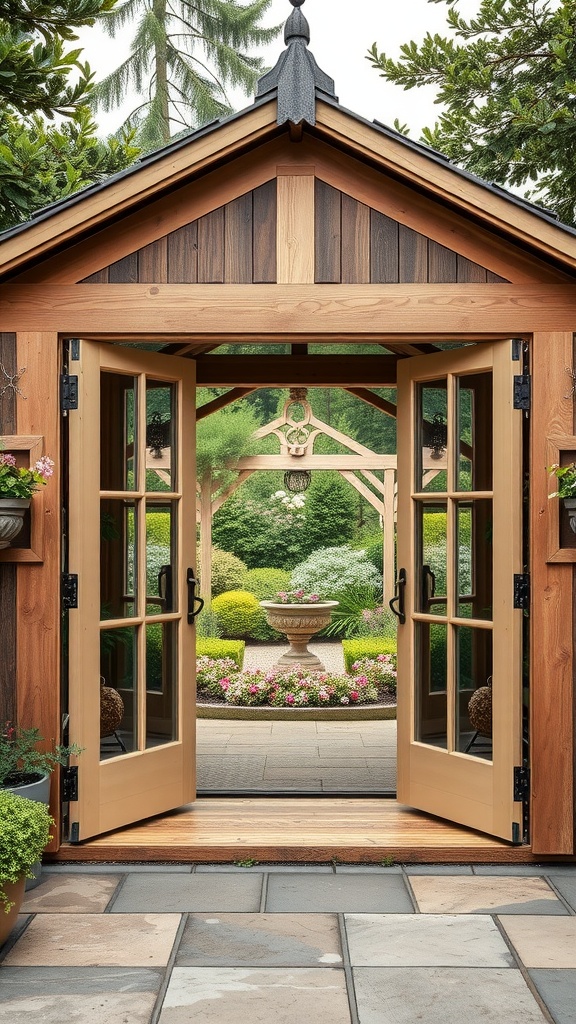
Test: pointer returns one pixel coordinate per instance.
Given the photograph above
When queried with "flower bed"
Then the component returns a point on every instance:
(373, 681)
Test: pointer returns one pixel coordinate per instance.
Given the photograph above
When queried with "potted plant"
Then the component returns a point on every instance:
(24, 832)
(299, 616)
(17, 485)
(566, 477)
(25, 770)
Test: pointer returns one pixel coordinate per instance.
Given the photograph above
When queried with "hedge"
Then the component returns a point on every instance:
(214, 648)
(366, 647)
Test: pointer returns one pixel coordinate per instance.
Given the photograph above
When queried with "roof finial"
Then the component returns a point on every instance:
(296, 76)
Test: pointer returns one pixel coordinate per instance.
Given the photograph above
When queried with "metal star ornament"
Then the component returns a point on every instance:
(12, 381)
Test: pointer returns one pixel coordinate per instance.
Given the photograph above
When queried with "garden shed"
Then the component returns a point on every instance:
(299, 224)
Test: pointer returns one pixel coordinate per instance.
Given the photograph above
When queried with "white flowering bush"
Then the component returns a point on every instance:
(329, 571)
(375, 681)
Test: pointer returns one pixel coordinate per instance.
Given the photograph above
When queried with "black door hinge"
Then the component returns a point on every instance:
(68, 392)
(74, 832)
(69, 590)
(521, 590)
(521, 783)
(522, 391)
(70, 783)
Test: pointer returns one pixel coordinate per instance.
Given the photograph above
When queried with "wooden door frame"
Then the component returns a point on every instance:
(472, 311)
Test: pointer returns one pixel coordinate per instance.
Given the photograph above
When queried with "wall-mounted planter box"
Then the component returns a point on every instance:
(561, 450)
(28, 544)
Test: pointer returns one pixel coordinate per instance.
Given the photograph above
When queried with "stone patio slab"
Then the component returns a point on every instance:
(227, 995)
(566, 885)
(558, 990)
(169, 893)
(418, 940)
(432, 995)
(360, 894)
(543, 942)
(260, 940)
(89, 940)
(71, 894)
(476, 895)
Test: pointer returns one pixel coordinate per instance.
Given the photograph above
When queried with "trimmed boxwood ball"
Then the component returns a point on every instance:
(238, 614)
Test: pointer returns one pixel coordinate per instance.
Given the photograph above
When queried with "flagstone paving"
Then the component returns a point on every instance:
(327, 943)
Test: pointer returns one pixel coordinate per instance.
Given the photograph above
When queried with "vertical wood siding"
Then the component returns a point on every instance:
(234, 244)
(8, 571)
(358, 245)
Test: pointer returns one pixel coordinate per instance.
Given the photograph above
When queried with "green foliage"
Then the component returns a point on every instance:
(207, 624)
(24, 832)
(239, 615)
(19, 754)
(294, 687)
(258, 531)
(265, 583)
(506, 79)
(330, 511)
(182, 58)
(375, 554)
(224, 437)
(566, 477)
(157, 529)
(348, 618)
(366, 647)
(214, 648)
(42, 163)
(330, 570)
(228, 572)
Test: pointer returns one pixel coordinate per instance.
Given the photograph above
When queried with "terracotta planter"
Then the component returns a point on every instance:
(15, 893)
(12, 511)
(299, 622)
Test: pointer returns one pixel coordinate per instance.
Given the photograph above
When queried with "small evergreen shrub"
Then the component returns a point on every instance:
(366, 647)
(219, 649)
(228, 572)
(265, 583)
(207, 623)
(328, 571)
(375, 554)
(24, 832)
(239, 615)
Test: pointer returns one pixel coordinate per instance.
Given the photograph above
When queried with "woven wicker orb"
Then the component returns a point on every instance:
(480, 710)
(111, 710)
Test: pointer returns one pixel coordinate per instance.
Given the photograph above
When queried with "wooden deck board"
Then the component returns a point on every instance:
(300, 829)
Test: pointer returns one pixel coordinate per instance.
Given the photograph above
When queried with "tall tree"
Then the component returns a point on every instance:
(184, 55)
(43, 159)
(506, 79)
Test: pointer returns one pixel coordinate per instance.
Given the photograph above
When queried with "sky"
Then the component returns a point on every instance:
(341, 31)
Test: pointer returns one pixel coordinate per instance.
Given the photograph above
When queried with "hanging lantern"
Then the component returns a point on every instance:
(157, 435)
(436, 436)
(297, 480)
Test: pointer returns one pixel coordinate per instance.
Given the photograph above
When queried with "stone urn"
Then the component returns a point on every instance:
(299, 622)
(12, 511)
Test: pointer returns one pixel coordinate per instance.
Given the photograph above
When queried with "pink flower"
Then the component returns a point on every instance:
(225, 684)
(323, 695)
(45, 467)
(314, 597)
(353, 696)
(8, 460)
(253, 689)
(290, 698)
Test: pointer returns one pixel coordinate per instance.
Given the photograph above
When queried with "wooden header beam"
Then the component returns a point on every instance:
(396, 309)
(291, 371)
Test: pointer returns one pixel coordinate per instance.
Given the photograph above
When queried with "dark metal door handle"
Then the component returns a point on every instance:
(165, 587)
(195, 602)
(397, 602)
(428, 585)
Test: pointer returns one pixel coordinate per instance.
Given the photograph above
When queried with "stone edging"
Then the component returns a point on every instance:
(364, 712)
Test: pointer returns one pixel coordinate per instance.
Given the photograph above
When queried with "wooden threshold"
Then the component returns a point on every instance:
(300, 829)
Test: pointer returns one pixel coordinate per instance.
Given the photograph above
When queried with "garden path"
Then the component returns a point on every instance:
(311, 757)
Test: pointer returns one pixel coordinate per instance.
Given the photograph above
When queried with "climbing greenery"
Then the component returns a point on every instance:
(24, 832)
(506, 81)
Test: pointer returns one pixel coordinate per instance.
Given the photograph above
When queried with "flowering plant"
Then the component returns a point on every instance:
(18, 482)
(297, 597)
(19, 756)
(566, 476)
(295, 687)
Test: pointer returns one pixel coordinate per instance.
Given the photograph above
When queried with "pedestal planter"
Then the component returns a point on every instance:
(299, 622)
(12, 511)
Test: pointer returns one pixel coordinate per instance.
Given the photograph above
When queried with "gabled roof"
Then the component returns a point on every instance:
(296, 96)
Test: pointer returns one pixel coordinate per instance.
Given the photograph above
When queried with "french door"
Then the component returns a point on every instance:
(459, 547)
(132, 539)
